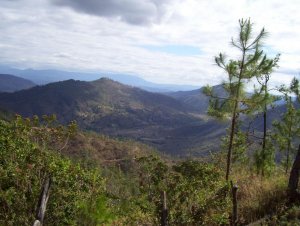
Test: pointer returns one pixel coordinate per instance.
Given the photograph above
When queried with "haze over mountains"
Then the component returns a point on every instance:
(42, 77)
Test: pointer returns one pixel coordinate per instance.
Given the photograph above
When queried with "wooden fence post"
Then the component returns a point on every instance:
(37, 223)
(234, 219)
(164, 211)
(294, 179)
(42, 204)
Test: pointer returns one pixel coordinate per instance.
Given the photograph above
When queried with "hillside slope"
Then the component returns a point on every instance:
(11, 83)
(196, 99)
(115, 109)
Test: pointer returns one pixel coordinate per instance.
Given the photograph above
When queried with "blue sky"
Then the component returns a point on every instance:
(163, 41)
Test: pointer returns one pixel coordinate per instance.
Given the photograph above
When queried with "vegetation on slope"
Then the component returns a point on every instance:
(119, 182)
(24, 166)
(117, 110)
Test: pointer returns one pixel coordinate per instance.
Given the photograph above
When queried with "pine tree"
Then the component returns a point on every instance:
(251, 63)
(261, 100)
(288, 128)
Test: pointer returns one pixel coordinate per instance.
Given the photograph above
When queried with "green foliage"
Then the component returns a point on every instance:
(260, 101)
(94, 212)
(295, 88)
(195, 192)
(239, 150)
(287, 130)
(23, 167)
(197, 195)
(289, 217)
(153, 179)
(288, 127)
(265, 160)
(252, 63)
(49, 133)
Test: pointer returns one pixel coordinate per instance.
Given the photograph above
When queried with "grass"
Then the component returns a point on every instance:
(259, 196)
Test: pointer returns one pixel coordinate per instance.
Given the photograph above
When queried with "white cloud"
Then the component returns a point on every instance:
(39, 34)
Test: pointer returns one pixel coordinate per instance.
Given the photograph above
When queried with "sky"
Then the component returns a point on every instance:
(162, 41)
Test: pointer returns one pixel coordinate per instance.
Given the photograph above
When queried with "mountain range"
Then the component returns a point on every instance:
(42, 77)
(173, 122)
(123, 111)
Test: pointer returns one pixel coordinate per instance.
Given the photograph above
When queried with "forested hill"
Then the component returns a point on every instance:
(11, 83)
(196, 99)
(102, 97)
(119, 110)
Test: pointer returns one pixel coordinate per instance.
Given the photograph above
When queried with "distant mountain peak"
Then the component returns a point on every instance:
(105, 80)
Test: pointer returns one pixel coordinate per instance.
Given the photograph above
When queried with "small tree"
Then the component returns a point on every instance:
(251, 63)
(261, 100)
(288, 128)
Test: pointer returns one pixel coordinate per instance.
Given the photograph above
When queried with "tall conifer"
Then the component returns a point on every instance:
(252, 61)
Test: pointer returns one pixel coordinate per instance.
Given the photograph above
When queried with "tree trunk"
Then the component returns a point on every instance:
(234, 219)
(229, 153)
(164, 211)
(42, 204)
(288, 147)
(264, 142)
(288, 157)
(294, 179)
(234, 117)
